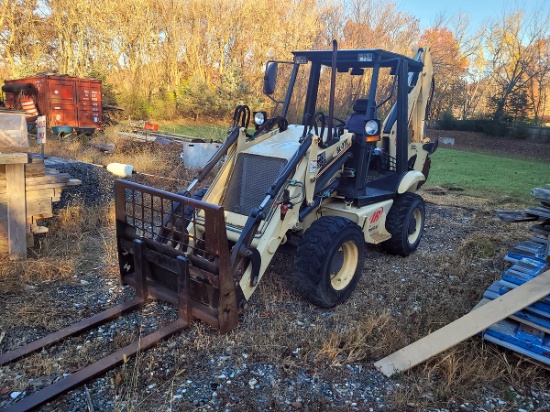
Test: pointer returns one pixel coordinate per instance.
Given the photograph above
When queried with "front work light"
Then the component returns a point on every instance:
(259, 118)
(372, 130)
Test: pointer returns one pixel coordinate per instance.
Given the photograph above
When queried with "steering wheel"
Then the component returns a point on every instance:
(320, 117)
(341, 122)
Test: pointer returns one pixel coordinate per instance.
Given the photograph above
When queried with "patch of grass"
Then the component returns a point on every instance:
(480, 246)
(479, 175)
(15, 274)
(208, 132)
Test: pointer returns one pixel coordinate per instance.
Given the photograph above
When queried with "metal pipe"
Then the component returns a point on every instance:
(290, 89)
(402, 141)
(332, 88)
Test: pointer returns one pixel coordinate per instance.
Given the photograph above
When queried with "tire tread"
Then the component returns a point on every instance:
(396, 220)
(310, 256)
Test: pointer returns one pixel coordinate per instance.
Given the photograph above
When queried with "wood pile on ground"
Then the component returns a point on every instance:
(42, 186)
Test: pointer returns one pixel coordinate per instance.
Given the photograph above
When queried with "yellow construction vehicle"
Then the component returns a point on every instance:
(326, 186)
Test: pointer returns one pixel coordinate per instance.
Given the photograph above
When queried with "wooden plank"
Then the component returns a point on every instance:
(541, 211)
(514, 216)
(40, 193)
(70, 182)
(519, 349)
(467, 326)
(37, 192)
(41, 180)
(5, 138)
(14, 158)
(523, 316)
(35, 169)
(40, 209)
(37, 207)
(17, 210)
(61, 185)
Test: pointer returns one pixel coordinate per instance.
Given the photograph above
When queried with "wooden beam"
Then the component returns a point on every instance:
(60, 185)
(17, 210)
(5, 138)
(13, 158)
(467, 326)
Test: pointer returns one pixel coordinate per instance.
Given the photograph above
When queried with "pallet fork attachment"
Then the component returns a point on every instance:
(163, 270)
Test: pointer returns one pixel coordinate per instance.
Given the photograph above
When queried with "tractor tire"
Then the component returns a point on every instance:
(405, 222)
(170, 220)
(329, 261)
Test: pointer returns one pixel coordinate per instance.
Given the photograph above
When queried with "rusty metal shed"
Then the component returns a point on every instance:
(66, 101)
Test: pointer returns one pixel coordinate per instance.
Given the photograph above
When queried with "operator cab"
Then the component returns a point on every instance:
(379, 151)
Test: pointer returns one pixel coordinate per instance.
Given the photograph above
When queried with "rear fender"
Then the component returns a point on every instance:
(411, 181)
(371, 218)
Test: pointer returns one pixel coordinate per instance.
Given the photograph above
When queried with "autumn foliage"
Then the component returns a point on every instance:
(198, 58)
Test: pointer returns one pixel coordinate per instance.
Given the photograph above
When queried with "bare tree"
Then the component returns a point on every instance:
(512, 47)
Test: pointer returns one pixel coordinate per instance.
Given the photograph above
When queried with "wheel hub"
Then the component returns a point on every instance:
(344, 265)
(415, 226)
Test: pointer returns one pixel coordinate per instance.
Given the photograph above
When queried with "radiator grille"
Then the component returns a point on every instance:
(251, 178)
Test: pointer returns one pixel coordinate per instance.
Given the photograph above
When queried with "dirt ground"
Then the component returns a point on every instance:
(286, 355)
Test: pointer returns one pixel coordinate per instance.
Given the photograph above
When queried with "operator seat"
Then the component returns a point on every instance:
(355, 123)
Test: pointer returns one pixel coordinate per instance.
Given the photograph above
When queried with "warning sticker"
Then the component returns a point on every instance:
(313, 166)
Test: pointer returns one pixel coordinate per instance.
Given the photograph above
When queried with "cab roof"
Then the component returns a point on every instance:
(357, 58)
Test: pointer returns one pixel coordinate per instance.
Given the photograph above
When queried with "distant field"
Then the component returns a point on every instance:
(464, 171)
(482, 175)
(213, 132)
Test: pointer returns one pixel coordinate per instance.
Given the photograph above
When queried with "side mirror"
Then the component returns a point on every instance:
(270, 78)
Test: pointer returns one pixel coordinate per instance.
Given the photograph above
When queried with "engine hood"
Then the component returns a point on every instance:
(282, 145)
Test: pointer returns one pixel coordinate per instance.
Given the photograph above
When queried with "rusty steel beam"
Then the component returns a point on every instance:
(113, 360)
(96, 369)
(72, 330)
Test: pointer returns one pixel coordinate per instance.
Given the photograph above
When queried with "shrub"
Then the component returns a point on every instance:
(447, 122)
(519, 132)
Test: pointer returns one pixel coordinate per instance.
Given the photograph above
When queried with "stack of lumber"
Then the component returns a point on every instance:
(43, 186)
(528, 330)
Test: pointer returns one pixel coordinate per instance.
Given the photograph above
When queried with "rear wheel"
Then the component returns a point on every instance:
(405, 222)
(329, 261)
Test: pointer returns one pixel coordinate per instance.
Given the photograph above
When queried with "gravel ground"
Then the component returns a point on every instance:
(203, 370)
(97, 188)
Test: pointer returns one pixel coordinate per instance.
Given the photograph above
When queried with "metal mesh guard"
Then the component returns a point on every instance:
(251, 178)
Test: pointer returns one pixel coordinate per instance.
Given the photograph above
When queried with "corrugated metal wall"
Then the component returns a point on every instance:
(66, 101)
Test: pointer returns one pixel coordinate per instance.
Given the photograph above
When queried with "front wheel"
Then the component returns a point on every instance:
(329, 261)
(405, 222)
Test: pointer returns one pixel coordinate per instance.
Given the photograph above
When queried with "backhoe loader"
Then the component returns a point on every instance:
(323, 185)
(326, 186)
